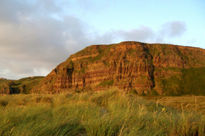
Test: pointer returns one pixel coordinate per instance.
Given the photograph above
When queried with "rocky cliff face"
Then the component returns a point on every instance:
(144, 68)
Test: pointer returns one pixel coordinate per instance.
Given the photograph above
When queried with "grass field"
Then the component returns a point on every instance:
(108, 113)
(186, 103)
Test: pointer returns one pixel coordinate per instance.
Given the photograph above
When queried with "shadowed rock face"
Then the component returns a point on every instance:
(145, 68)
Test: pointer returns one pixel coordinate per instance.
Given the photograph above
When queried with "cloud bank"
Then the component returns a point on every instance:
(33, 42)
(168, 30)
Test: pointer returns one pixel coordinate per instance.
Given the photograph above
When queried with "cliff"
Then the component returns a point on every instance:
(132, 66)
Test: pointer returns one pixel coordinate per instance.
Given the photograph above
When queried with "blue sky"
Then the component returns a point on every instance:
(106, 16)
(118, 14)
(36, 35)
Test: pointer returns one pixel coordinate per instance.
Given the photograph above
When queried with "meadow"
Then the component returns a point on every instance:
(106, 113)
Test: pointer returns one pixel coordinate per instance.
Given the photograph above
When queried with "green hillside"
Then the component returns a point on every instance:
(23, 85)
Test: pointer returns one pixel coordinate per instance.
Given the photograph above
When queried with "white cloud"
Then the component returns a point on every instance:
(167, 31)
(143, 33)
(173, 29)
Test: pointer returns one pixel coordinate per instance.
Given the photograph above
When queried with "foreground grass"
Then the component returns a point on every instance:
(108, 113)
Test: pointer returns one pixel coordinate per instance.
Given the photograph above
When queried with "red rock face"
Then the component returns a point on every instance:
(127, 65)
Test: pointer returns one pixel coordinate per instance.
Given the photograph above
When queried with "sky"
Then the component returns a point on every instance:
(37, 35)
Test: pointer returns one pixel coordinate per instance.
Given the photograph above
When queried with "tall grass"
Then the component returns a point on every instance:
(108, 113)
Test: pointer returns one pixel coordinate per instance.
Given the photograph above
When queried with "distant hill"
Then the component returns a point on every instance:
(4, 86)
(24, 85)
(146, 69)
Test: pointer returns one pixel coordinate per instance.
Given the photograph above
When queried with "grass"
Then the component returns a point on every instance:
(182, 81)
(106, 113)
(193, 81)
(187, 103)
(106, 83)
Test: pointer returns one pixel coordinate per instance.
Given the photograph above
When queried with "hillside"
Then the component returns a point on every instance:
(146, 69)
(24, 85)
(4, 86)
